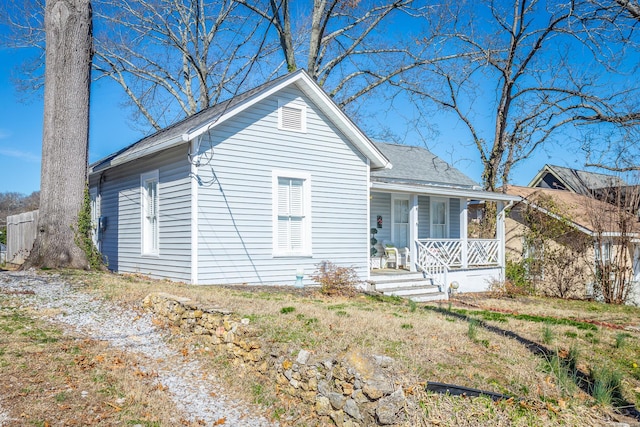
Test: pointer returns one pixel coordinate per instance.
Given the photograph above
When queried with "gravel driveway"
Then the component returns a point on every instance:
(197, 394)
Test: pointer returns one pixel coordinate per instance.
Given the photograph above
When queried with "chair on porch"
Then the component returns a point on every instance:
(393, 256)
(381, 254)
(397, 256)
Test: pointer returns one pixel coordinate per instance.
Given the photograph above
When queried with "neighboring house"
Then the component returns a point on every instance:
(274, 181)
(579, 220)
(573, 180)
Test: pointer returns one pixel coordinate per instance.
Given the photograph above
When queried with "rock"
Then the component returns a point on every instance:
(347, 389)
(303, 357)
(245, 321)
(323, 406)
(351, 409)
(383, 361)
(338, 418)
(359, 397)
(389, 408)
(337, 400)
(323, 388)
(377, 388)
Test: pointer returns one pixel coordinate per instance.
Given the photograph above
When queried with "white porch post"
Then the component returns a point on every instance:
(413, 231)
(500, 233)
(464, 233)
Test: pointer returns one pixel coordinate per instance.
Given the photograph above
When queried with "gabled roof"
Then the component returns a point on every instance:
(417, 165)
(417, 170)
(574, 180)
(586, 214)
(193, 126)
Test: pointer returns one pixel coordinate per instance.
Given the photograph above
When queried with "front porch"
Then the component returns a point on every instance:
(427, 234)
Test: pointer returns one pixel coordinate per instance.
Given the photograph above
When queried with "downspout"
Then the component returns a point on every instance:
(368, 222)
(193, 173)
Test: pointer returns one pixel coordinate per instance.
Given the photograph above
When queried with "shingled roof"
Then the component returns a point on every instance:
(577, 181)
(417, 165)
(192, 126)
(586, 213)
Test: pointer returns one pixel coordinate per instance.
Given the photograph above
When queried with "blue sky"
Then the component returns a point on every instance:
(21, 117)
(110, 130)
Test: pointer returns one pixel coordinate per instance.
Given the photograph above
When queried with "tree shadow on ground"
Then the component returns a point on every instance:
(585, 381)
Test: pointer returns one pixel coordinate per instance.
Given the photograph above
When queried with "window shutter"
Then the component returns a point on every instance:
(296, 202)
(296, 234)
(290, 221)
(283, 196)
(150, 231)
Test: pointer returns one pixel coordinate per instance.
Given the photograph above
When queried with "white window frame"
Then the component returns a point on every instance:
(306, 250)
(149, 242)
(95, 199)
(395, 197)
(297, 105)
(606, 248)
(432, 201)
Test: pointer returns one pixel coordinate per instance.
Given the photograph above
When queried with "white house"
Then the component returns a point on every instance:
(272, 182)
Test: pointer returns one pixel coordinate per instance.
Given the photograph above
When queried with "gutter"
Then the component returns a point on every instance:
(445, 191)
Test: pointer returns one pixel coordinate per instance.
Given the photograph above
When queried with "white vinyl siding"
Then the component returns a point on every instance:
(236, 238)
(121, 210)
(150, 214)
(291, 216)
(292, 116)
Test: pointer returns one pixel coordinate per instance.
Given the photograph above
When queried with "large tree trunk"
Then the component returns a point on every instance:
(65, 133)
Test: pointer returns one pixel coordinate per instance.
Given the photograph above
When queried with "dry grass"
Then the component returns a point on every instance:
(47, 378)
(427, 345)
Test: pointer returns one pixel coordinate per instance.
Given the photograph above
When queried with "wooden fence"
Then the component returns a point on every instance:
(21, 233)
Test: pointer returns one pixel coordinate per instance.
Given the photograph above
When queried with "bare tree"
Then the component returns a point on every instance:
(174, 58)
(68, 29)
(615, 230)
(345, 44)
(516, 67)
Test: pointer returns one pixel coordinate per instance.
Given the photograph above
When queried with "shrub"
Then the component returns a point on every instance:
(517, 282)
(336, 280)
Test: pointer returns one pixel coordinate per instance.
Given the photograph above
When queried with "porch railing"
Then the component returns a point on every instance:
(451, 252)
(432, 266)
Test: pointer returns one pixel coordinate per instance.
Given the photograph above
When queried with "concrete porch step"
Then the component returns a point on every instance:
(413, 286)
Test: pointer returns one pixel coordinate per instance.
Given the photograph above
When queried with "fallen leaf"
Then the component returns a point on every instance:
(116, 407)
(220, 421)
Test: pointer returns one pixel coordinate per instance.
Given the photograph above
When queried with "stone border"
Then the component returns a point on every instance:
(353, 389)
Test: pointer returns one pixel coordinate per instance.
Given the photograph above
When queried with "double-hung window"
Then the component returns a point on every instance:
(150, 215)
(291, 214)
(439, 216)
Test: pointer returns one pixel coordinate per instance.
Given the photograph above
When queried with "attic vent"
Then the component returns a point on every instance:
(292, 117)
